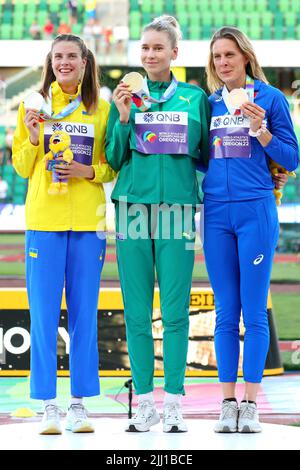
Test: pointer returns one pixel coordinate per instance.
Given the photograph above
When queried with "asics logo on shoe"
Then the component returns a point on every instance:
(258, 260)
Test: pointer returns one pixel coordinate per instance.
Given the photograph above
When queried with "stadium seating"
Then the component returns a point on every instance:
(260, 19)
(17, 186)
(16, 16)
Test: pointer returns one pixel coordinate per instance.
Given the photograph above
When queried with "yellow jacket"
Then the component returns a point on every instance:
(83, 207)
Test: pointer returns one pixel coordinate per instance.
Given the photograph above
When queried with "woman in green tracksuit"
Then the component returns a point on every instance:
(155, 138)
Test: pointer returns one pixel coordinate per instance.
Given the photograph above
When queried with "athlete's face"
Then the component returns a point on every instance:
(230, 63)
(67, 63)
(157, 54)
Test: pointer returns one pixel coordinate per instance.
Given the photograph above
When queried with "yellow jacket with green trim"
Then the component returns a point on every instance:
(83, 207)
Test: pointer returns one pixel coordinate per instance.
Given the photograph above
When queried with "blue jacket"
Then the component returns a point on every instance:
(235, 179)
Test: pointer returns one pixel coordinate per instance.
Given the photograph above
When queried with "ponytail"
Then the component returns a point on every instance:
(90, 89)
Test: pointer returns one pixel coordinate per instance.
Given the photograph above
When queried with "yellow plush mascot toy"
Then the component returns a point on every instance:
(275, 169)
(59, 146)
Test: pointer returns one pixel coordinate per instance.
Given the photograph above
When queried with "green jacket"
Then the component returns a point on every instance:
(158, 178)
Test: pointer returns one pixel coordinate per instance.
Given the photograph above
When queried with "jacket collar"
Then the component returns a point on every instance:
(153, 85)
(59, 95)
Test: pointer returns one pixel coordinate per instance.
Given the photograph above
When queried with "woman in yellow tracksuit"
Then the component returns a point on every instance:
(65, 221)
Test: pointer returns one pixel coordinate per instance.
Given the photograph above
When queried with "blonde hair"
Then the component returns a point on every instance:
(167, 24)
(253, 69)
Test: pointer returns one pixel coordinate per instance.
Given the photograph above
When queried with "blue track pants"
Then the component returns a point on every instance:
(55, 260)
(239, 244)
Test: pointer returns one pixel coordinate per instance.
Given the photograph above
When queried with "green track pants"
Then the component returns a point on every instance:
(148, 238)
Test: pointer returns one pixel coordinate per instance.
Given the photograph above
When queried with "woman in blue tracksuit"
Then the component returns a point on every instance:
(241, 222)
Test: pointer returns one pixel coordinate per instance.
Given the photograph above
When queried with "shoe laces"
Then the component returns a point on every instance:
(144, 410)
(53, 412)
(79, 411)
(247, 411)
(229, 410)
(172, 411)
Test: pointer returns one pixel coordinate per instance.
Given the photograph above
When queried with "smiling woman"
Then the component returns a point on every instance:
(70, 62)
(65, 243)
(68, 65)
(157, 50)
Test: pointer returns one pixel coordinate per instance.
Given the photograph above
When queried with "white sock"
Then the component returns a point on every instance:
(146, 397)
(172, 398)
(76, 401)
(50, 402)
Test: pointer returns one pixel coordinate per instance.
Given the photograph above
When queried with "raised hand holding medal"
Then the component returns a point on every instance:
(134, 80)
(122, 95)
(134, 87)
(34, 101)
(33, 104)
(237, 97)
(243, 99)
(255, 113)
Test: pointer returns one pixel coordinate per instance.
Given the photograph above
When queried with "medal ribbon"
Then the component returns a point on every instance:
(143, 100)
(250, 88)
(47, 114)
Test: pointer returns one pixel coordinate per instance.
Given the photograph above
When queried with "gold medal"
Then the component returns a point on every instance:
(134, 80)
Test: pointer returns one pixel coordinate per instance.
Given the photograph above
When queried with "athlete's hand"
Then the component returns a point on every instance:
(255, 113)
(122, 99)
(32, 123)
(280, 180)
(74, 170)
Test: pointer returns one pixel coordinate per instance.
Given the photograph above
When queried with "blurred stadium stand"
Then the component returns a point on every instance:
(18, 15)
(17, 186)
(199, 19)
(260, 19)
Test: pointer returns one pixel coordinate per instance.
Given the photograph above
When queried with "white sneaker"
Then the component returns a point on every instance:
(145, 417)
(248, 418)
(172, 419)
(50, 423)
(229, 417)
(77, 420)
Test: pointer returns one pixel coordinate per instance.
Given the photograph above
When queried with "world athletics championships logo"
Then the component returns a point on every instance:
(217, 122)
(57, 127)
(149, 136)
(217, 141)
(148, 117)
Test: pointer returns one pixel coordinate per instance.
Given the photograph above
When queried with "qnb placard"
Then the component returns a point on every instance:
(162, 132)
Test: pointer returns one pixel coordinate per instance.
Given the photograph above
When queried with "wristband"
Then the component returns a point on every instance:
(261, 130)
